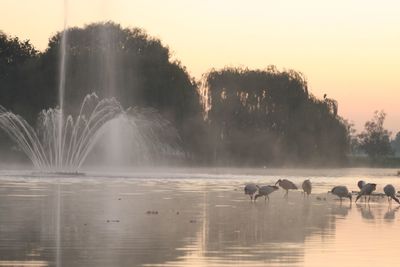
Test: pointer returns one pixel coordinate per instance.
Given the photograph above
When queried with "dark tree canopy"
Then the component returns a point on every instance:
(17, 62)
(253, 117)
(125, 63)
(375, 139)
(111, 61)
(396, 144)
(268, 116)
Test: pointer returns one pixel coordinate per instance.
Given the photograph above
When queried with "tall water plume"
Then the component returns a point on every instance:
(61, 86)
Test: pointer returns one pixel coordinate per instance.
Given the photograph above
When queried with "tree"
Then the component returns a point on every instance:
(112, 61)
(17, 70)
(268, 116)
(128, 64)
(396, 144)
(17, 59)
(375, 139)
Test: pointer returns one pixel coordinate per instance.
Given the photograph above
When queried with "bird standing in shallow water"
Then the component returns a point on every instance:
(250, 189)
(265, 191)
(360, 185)
(390, 192)
(366, 190)
(307, 187)
(341, 192)
(287, 185)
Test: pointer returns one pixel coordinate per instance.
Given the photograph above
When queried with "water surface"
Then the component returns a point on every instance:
(193, 218)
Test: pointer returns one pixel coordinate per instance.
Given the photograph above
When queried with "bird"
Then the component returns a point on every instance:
(250, 189)
(360, 184)
(307, 187)
(366, 190)
(341, 192)
(287, 185)
(390, 192)
(265, 191)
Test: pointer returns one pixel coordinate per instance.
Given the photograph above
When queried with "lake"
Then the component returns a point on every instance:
(194, 217)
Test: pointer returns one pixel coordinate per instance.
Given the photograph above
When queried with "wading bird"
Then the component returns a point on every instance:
(265, 191)
(390, 192)
(366, 190)
(307, 187)
(360, 184)
(250, 189)
(341, 192)
(287, 185)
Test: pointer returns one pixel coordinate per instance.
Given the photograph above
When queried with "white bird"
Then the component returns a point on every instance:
(366, 190)
(250, 189)
(341, 192)
(390, 192)
(287, 185)
(265, 191)
(307, 187)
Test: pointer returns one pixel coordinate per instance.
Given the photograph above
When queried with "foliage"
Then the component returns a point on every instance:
(269, 116)
(114, 61)
(17, 60)
(396, 144)
(249, 116)
(375, 139)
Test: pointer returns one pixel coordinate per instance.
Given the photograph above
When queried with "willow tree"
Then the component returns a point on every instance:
(268, 116)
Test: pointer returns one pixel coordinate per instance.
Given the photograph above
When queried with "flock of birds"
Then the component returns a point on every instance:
(366, 189)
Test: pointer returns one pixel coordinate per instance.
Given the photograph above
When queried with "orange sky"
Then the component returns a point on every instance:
(347, 49)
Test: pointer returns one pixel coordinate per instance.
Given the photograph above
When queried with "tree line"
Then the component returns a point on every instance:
(232, 116)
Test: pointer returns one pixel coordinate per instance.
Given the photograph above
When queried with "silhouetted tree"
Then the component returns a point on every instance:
(17, 62)
(130, 65)
(375, 139)
(396, 144)
(17, 71)
(266, 116)
(109, 60)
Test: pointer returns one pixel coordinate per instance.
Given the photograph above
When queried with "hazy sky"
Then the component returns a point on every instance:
(347, 49)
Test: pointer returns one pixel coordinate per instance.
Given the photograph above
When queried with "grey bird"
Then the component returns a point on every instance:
(250, 189)
(366, 190)
(265, 191)
(341, 192)
(307, 187)
(390, 192)
(361, 183)
(287, 185)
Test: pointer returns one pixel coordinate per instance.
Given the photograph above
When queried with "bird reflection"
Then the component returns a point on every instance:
(342, 210)
(390, 213)
(366, 212)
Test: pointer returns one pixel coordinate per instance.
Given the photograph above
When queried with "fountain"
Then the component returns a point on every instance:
(78, 135)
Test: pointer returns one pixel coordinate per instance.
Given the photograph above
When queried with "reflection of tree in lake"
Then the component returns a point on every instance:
(263, 231)
(105, 223)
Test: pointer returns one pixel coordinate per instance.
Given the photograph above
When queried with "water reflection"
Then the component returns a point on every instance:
(366, 212)
(390, 214)
(341, 209)
(133, 222)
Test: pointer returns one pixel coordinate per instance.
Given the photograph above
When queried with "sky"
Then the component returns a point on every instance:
(348, 49)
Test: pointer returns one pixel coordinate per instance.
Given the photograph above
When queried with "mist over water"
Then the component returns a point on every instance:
(203, 219)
